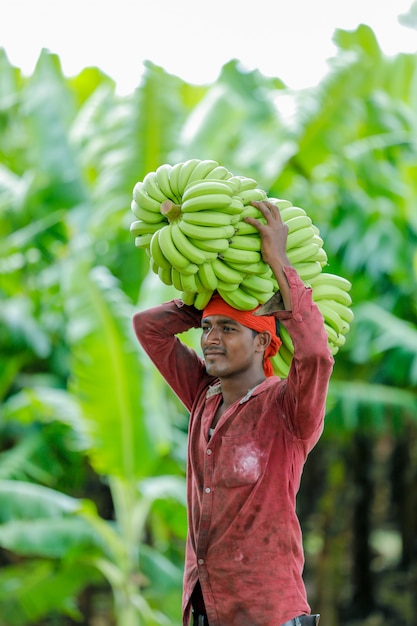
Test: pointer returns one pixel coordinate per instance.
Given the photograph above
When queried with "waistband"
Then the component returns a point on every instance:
(300, 620)
(303, 620)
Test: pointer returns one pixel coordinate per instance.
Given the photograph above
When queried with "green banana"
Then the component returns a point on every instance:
(139, 227)
(146, 216)
(286, 338)
(173, 181)
(290, 212)
(286, 354)
(257, 284)
(246, 242)
(239, 299)
(318, 240)
(250, 268)
(156, 252)
(169, 250)
(333, 349)
(211, 245)
(281, 367)
(332, 279)
(207, 276)
(189, 283)
(299, 237)
(176, 278)
(188, 297)
(341, 340)
(185, 172)
(236, 255)
(202, 299)
(143, 241)
(205, 187)
(150, 184)
(295, 223)
(165, 275)
(236, 205)
(243, 228)
(219, 173)
(162, 179)
(252, 211)
(202, 170)
(331, 333)
(303, 254)
(206, 232)
(264, 296)
(251, 195)
(280, 203)
(332, 317)
(226, 286)
(143, 199)
(244, 183)
(330, 292)
(153, 266)
(308, 270)
(187, 248)
(210, 201)
(345, 312)
(234, 218)
(225, 273)
(321, 257)
(208, 218)
(233, 184)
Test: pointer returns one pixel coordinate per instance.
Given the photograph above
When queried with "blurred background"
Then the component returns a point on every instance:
(92, 443)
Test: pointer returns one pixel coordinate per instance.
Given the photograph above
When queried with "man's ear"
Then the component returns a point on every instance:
(264, 339)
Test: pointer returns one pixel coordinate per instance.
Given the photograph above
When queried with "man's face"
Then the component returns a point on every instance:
(228, 347)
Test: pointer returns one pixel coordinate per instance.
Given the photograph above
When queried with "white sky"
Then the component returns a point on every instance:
(288, 39)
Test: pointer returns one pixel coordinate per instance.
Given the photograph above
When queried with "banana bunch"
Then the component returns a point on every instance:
(190, 221)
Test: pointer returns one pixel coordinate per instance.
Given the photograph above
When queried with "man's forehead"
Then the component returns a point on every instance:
(220, 319)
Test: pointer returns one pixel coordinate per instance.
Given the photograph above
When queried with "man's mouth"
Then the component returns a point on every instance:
(213, 353)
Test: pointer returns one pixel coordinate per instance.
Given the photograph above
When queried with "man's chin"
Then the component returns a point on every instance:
(213, 370)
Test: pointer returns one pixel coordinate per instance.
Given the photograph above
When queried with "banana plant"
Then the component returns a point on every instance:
(123, 423)
(55, 207)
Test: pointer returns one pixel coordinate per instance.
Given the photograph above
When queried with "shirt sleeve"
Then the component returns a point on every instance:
(305, 389)
(156, 329)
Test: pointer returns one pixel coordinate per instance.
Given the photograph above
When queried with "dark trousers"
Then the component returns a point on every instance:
(200, 617)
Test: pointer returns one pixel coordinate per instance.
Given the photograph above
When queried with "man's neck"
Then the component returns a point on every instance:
(236, 388)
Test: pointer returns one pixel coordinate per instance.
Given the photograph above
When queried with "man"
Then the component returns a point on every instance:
(249, 436)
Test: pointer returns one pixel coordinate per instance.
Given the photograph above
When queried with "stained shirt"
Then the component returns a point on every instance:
(244, 540)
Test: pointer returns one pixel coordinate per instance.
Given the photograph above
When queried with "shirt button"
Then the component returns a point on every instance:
(207, 489)
(209, 451)
(201, 561)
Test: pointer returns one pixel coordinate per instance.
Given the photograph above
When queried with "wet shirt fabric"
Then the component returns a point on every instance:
(244, 540)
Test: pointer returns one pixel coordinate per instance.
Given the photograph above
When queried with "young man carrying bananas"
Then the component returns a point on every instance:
(249, 436)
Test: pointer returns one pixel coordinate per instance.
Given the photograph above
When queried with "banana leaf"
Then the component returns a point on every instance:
(127, 423)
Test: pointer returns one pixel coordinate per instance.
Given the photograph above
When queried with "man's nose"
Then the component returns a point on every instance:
(213, 335)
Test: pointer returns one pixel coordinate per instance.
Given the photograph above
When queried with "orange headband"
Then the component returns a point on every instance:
(217, 306)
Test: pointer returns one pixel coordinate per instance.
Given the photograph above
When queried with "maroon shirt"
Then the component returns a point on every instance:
(244, 540)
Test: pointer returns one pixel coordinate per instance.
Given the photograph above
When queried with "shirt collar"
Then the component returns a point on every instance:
(215, 389)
